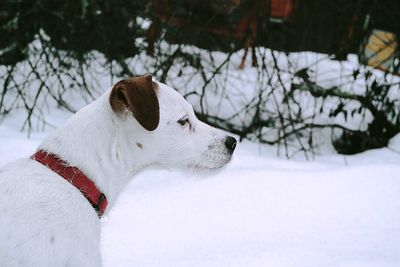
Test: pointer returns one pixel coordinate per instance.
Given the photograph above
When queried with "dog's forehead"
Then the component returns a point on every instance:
(170, 99)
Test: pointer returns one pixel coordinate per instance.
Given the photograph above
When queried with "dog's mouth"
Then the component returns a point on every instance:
(213, 165)
(202, 167)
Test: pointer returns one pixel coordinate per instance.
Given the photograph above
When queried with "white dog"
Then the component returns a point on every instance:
(50, 204)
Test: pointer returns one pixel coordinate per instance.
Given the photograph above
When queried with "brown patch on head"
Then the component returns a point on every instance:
(137, 95)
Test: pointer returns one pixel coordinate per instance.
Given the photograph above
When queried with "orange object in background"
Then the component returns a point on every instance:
(380, 51)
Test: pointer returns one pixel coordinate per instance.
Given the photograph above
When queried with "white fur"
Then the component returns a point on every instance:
(45, 221)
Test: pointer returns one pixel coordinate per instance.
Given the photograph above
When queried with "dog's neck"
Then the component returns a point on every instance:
(89, 140)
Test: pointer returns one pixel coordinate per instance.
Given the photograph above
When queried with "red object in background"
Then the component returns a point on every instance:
(281, 9)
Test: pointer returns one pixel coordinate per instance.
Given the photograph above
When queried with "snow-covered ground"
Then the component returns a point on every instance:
(260, 211)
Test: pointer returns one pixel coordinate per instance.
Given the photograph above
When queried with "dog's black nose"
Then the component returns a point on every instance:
(230, 143)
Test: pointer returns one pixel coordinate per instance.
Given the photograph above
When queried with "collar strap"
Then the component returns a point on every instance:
(76, 177)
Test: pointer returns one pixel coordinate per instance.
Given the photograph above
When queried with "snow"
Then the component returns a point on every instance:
(260, 210)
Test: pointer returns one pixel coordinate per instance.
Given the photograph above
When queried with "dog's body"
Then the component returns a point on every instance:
(46, 221)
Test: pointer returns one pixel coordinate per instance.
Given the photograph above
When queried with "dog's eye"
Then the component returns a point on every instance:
(183, 121)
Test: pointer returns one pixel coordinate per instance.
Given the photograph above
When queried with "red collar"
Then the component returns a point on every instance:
(76, 177)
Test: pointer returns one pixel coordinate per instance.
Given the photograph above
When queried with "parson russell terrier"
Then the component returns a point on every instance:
(50, 204)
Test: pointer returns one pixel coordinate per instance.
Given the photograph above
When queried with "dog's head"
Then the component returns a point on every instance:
(160, 128)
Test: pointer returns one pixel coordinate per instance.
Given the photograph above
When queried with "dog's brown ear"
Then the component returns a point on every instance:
(137, 95)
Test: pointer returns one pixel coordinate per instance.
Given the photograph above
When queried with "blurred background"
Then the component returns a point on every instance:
(303, 75)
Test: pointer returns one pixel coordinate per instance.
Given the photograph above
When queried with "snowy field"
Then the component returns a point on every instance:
(260, 211)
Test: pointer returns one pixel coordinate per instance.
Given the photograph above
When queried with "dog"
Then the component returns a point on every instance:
(50, 204)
